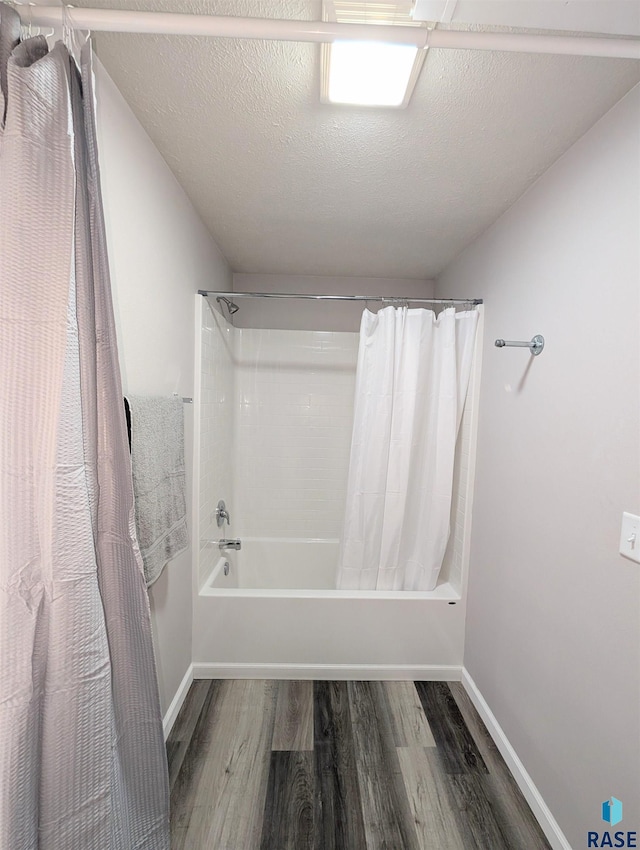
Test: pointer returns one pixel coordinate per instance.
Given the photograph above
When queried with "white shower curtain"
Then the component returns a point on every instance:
(82, 759)
(412, 378)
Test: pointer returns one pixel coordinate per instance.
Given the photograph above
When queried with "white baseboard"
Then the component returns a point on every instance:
(543, 815)
(428, 672)
(176, 702)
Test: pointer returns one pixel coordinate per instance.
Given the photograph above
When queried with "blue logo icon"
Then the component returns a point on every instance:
(612, 811)
(612, 814)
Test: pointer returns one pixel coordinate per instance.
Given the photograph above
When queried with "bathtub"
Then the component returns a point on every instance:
(278, 615)
(294, 567)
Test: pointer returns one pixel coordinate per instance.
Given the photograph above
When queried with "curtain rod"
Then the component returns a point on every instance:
(176, 23)
(473, 301)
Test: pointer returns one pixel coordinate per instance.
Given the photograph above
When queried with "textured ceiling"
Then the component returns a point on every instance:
(289, 186)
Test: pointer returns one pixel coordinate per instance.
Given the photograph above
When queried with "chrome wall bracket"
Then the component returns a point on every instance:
(535, 346)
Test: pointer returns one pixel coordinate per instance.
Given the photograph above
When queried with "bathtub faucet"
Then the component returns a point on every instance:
(221, 514)
(230, 544)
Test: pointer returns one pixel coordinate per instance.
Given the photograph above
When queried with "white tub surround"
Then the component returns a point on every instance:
(276, 416)
(274, 564)
(293, 413)
(215, 413)
(290, 568)
(279, 414)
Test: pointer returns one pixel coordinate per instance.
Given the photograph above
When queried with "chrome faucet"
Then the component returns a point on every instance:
(222, 514)
(230, 544)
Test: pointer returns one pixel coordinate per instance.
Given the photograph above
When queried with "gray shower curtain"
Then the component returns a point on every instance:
(82, 760)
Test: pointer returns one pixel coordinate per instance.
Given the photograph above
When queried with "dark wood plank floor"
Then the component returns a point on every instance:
(266, 765)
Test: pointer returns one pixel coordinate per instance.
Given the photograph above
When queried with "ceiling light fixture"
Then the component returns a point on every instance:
(369, 73)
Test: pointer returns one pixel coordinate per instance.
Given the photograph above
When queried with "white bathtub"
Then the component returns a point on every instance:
(277, 615)
(294, 567)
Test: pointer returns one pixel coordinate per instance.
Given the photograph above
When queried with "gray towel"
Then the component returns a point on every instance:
(157, 460)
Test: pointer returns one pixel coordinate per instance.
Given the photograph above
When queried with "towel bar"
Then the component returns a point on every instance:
(535, 346)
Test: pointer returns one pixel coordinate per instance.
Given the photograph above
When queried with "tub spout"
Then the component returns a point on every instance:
(230, 544)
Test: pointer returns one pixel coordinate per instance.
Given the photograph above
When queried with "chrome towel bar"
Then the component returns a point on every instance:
(535, 346)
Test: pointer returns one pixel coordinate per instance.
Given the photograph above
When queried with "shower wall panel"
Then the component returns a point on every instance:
(217, 400)
(276, 423)
(293, 431)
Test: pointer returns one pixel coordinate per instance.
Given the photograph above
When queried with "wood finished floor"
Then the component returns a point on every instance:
(283, 765)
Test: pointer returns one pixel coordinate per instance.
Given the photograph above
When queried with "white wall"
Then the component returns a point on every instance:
(160, 254)
(553, 629)
(316, 315)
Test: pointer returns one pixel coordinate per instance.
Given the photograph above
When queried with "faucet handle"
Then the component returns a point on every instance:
(222, 514)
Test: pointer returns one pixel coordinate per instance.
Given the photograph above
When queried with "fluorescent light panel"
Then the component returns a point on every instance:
(369, 73)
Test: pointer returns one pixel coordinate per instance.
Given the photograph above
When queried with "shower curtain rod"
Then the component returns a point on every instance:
(176, 23)
(473, 301)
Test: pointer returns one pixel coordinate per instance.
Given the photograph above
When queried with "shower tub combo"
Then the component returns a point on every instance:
(271, 608)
